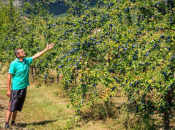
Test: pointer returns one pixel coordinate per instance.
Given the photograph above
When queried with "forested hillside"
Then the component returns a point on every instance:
(55, 8)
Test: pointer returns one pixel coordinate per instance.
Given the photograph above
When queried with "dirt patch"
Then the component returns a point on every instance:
(3, 107)
(3, 104)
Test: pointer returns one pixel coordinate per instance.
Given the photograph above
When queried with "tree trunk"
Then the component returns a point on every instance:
(58, 78)
(166, 120)
(45, 81)
(107, 108)
(32, 72)
(168, 99)
(35, 68)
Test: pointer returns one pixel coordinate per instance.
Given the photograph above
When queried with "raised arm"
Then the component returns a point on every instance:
(9, 85)
(50, 46)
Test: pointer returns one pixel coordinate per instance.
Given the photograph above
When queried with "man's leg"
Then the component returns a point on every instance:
(8, 115)
(11, 110)
(13, 117)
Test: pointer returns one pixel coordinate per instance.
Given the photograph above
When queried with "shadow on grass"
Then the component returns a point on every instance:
(36, 123)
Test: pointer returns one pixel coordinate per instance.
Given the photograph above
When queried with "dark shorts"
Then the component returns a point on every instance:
(17, 99)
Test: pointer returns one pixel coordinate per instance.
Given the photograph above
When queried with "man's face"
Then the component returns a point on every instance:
(21, 53)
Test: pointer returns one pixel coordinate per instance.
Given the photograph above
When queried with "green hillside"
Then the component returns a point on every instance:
(56, 8)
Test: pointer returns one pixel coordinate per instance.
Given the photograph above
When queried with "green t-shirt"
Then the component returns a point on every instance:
(20, 73)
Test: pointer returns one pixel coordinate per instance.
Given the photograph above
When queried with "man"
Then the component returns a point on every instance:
(19, 72)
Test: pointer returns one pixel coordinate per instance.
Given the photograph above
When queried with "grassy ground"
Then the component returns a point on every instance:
(45, 108)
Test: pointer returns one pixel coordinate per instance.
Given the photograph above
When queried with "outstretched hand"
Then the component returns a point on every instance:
(50, 46)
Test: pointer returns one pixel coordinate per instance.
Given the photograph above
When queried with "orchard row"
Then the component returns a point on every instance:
(119, 45)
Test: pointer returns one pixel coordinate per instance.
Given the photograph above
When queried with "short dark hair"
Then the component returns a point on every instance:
(16, 50)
